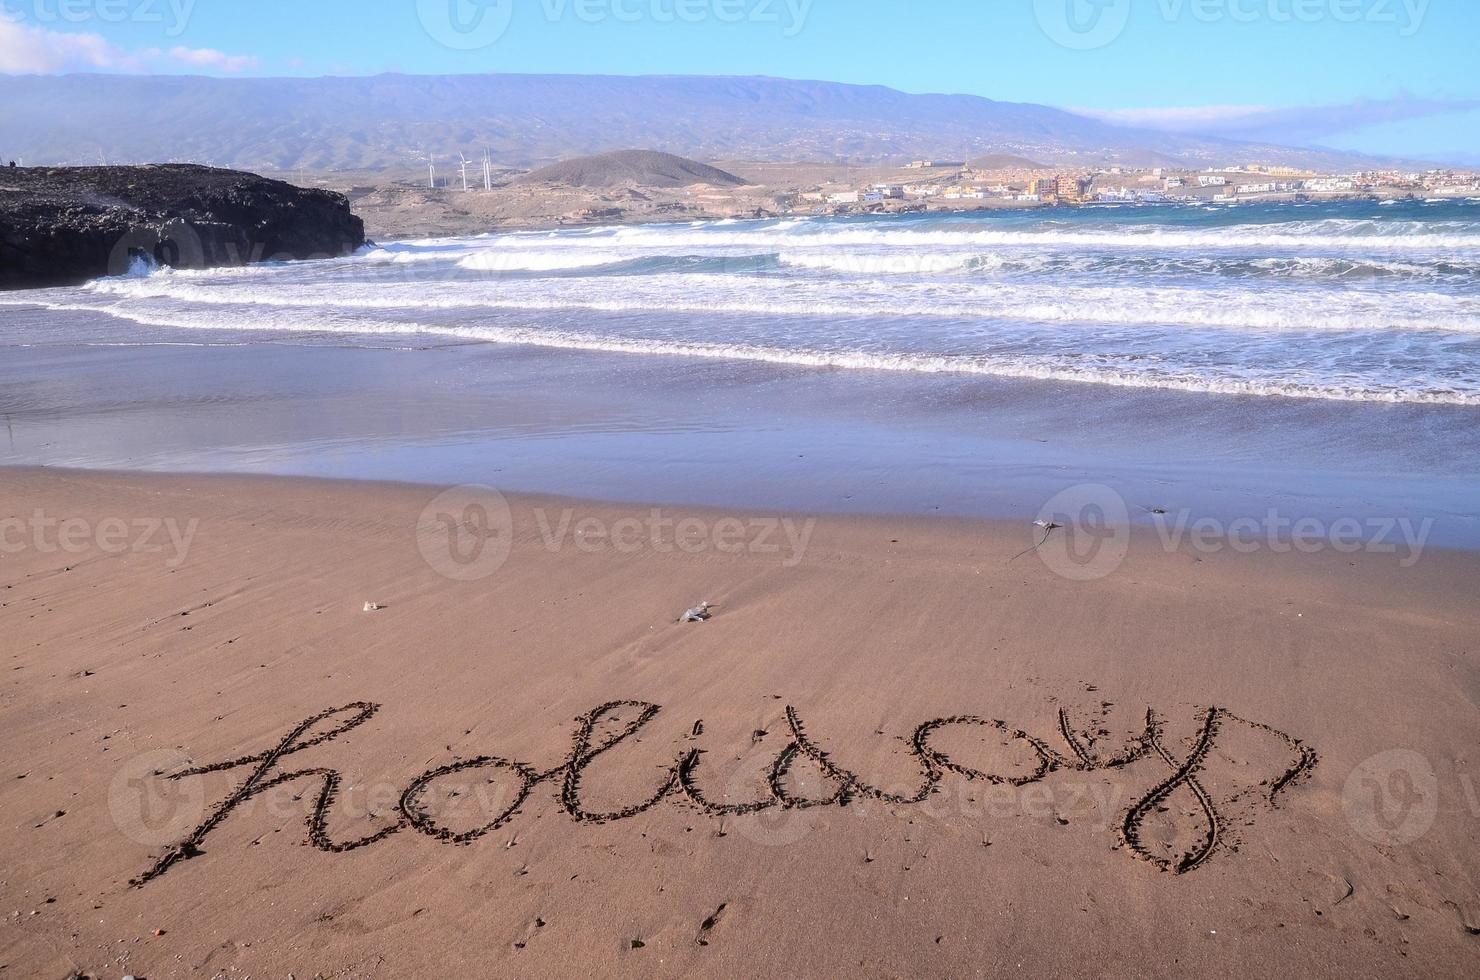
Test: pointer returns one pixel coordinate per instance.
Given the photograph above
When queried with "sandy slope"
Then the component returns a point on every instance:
(118, 661)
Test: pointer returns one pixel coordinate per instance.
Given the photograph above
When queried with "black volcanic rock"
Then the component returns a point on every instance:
(64, 225)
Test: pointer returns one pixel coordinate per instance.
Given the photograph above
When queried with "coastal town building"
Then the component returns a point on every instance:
(1279, 171)
(945, 185)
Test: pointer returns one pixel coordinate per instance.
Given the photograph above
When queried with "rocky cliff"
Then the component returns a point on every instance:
(64, 225)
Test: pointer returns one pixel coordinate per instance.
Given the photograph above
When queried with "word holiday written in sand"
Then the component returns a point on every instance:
(604, 728)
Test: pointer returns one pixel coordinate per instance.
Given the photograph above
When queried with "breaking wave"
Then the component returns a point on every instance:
(1333, 300)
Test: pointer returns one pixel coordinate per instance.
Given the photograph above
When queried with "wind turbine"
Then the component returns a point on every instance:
(487, 171)
(431, 171)
(464, 167)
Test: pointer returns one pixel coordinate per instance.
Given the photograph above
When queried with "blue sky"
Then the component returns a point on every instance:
(1391, 76)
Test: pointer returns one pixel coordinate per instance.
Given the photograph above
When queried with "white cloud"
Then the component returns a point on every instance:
(211, 58)
(32, 50)
(1178, 119)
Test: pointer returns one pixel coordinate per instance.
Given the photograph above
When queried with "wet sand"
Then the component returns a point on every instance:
(546, 772)
(712, 433)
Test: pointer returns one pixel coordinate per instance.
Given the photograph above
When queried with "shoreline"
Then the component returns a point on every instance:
(124, 663)
(390, 234)
(1147, 528)
(1404, 542)
(401, 207)
(643, 428)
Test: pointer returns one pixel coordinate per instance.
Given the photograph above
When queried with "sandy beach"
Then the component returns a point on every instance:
(898, 746)
(747, 489)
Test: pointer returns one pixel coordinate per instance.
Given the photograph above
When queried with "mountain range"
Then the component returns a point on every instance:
(642, 167)
(393, 121)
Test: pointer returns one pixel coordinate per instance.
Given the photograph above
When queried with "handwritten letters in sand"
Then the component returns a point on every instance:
(1182, 774)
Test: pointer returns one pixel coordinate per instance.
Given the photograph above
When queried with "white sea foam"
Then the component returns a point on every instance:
(1298, 236)
(1354, 306)
(711, 293)
(1038, 367)
(901, 263)
(508, 260)
(403, 256)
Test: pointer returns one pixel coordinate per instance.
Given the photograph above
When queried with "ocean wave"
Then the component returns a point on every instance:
(1322, 234)
(1020, 262)
(1375, 235)
(402, 256)
(892, 263)
(1067, 368)
(903, 263)
(1352, 307)
(1236, 309)
(499, 260)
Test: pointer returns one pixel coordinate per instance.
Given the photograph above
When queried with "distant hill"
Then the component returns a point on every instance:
(1006, 161)
(642, 168)
(342, 123)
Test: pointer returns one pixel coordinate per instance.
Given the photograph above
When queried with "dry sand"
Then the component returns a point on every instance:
(120, 662)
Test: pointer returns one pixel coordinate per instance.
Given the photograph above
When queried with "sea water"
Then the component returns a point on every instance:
(1349, 300)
